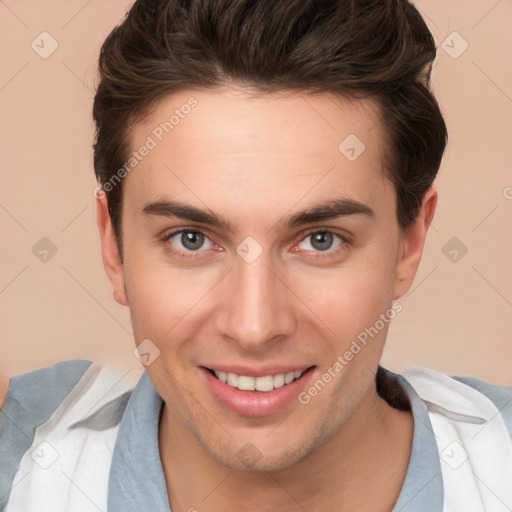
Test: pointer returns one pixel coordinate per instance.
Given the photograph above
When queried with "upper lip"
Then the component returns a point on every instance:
(252, 371)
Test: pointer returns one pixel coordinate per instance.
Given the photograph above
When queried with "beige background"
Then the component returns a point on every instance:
(457, 317)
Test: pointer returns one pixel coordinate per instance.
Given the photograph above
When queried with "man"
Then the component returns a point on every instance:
(265, 175)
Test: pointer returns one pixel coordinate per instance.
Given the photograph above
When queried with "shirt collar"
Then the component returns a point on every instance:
(137, 479)
(423, 485)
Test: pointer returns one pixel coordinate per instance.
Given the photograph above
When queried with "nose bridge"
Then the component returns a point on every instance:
(258, 307)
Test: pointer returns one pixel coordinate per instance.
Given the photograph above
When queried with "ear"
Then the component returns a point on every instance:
(412, 243)
(110, 251)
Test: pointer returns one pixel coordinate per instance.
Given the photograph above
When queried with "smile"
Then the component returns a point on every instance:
(255, 391)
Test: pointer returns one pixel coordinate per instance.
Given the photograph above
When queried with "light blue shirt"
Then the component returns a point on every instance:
(137, 480)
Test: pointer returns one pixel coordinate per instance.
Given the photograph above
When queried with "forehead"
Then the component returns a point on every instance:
(244, 146)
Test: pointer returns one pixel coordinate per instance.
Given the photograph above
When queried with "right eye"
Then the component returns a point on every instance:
(186, 241)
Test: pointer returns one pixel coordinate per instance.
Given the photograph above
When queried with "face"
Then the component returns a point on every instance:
(257, 252)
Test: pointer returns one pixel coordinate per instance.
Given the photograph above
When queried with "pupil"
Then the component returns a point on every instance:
(322, 241)
(192, 240)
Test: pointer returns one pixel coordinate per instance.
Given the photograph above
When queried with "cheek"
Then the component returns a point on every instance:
(351, 297)
(162, 298)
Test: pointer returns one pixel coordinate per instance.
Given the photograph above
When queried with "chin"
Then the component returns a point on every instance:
(260, 455)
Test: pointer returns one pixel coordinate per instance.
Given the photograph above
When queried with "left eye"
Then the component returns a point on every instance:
(190, 240)
(321, 241)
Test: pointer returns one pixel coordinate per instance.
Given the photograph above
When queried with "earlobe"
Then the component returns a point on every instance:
(110, 251)
(412, 243)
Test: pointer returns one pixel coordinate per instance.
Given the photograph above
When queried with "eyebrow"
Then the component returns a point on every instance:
(328, 210)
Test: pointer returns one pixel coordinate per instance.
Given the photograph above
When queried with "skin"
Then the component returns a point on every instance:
(4, 386)
(255, 161)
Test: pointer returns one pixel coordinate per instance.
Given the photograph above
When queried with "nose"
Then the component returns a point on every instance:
(256, 306)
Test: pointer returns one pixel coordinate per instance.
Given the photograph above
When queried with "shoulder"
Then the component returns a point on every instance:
(462, 395)
(70, 395)
(43, 389)
(76, 397)
(31, 398)
(500, 396)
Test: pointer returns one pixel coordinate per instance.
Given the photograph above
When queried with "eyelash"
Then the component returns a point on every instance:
(344, 244)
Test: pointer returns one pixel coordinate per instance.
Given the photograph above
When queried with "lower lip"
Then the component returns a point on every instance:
(255, 403)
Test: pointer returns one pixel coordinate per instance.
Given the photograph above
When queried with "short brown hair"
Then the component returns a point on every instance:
(376, 48)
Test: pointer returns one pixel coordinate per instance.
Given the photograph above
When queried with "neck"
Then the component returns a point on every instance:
(362, 467)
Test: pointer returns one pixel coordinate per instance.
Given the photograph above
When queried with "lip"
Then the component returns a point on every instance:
(255, 403)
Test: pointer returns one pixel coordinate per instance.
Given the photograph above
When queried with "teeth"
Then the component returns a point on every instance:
(265, 384)
(245, 383)
(279, 380)
(289, 377)
(232, 380)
